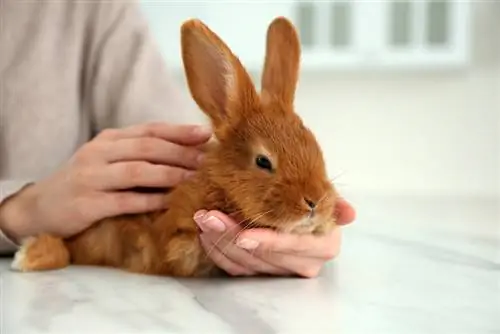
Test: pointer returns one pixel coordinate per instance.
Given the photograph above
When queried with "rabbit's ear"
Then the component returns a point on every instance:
(281, 66)
(218, 82)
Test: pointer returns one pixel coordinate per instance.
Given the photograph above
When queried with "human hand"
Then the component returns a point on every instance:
(97, 181)
(262, 251)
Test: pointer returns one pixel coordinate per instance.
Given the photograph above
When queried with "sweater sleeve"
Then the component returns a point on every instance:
(127, 81)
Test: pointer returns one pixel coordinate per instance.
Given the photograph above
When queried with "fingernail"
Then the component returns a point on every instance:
(198, 216)
(214, 224)
(247, 244)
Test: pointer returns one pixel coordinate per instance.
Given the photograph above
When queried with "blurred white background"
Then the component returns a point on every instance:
(404, 96)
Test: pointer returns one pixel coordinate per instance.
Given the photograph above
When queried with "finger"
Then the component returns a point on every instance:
(126, 175)
(184, 134)
(208, 145)
(344, 212)
(215, 221)
(321, 247)
(222, 261)
(302, 266)
(221, 232)
(240, 256)
(118, 203)
(153, 150)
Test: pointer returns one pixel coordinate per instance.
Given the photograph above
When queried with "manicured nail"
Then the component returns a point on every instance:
(248, 244)
(214, 224)
(198, 216)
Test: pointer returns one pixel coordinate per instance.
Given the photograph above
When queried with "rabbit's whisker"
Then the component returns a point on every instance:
(222, 236)
(325, 196)
(219, 240)
(337, 176)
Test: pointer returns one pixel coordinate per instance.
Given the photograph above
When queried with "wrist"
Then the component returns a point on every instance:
(16, 212)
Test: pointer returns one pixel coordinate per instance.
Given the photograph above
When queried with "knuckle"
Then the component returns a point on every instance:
(192, 155)
(128, 203)
(179, 155)
(150, 129)
(173, 175)
(147, 204)
(121, 202)
(108, 133)
(90, 151)
(134, 170)
(144, 146)
(152, 202)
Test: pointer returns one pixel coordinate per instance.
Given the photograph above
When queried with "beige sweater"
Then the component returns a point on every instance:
(69, 69)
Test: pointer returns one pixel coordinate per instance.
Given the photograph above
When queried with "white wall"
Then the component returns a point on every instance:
(422, 133)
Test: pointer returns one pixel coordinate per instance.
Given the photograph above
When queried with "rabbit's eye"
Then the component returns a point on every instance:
(263, 162)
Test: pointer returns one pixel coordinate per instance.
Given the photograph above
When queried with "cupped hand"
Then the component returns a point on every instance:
(98, 181)
(261, 251)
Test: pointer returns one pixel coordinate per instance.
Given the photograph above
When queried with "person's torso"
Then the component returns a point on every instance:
(41, 119)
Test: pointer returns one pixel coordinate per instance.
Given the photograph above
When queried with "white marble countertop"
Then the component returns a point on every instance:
(407, 266)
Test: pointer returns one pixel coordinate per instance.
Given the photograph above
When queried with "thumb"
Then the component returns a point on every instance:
(214, 221)
(344, 212)
(301, 245)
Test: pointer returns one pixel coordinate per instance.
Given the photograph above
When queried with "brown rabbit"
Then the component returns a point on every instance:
(266, 168)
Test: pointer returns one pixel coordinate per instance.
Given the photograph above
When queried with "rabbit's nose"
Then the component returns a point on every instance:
(311, 204)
